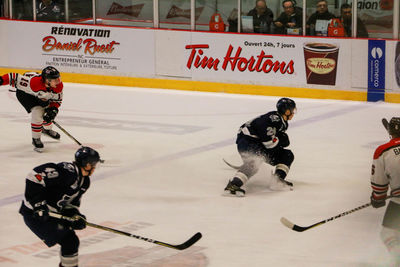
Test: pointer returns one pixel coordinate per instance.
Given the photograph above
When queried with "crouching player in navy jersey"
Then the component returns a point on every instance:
(58, 187)
(264, 139)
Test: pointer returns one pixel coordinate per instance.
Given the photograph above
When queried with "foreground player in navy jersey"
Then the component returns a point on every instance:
(58, 187)
(263, 139)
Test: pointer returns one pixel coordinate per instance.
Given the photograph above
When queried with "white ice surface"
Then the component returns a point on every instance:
(164, 177)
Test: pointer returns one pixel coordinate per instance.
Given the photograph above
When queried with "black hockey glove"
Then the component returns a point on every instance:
(78, 221)
(1, 80)
(41, 211)
(377, 203)
(283, 139)
(50, 114)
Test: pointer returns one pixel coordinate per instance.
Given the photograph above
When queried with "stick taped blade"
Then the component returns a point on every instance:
(287, 223)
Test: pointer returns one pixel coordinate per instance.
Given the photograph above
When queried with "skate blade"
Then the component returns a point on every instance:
(228, 193)
(52, 137)
(39, 150)
(281, 186)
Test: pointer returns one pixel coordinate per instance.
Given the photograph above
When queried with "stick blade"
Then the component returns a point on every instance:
(293, 226)
(287, 223)
(185, 245)
(190, 242)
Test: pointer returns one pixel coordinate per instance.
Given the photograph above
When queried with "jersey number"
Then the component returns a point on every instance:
(51, 173)
(24, 82)
(271, 131)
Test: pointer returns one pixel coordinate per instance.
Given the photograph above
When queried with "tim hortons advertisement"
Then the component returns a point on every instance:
(269, 60)
(83, 49)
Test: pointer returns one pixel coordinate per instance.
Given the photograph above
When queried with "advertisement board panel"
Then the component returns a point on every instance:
(81, 48)
(376, 69)
(272, 60)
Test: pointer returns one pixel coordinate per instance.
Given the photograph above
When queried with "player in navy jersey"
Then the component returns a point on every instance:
(264, 139)
(385, 175)
(41, 95)
(58, 187)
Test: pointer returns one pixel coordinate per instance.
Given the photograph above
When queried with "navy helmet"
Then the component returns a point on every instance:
(394, 126)
(50, 73)
(284, 104)
(85, 155)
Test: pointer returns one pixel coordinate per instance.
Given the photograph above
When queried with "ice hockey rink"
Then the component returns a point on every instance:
(164, 176)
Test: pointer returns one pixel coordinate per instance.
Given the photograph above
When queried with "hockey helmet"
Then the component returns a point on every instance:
(85, 155)
(394, 126)
(284, 104)
(50, 73)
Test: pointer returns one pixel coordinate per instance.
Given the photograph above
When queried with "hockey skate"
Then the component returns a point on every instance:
(234, 190)
(280, 184)
(38, 145)
(286, 182)
(52, 134)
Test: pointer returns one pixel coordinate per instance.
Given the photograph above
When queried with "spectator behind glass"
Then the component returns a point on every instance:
(322, 13)
(49, 10)
(345, 17)
(262, 17)
(233, 21)
(290, 18)
(22, 9)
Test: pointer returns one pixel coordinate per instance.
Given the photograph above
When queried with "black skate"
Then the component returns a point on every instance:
(235, 190)
(52, 134)
(38, 145)
(279, 184)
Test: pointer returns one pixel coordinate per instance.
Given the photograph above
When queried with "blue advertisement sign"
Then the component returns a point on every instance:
(376, 70)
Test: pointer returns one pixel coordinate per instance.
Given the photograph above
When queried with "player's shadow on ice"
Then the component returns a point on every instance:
(25, 150)
(262, 183)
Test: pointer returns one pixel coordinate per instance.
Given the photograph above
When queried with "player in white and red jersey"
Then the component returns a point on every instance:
(41, 95)
(385, 175)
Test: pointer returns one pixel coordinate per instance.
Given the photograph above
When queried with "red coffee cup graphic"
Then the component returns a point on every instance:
(321, 63)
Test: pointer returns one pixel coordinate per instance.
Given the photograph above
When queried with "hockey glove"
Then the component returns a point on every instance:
(50, 114)
(377, 203)
(78, 221)
(41, 211)
(283, 139)
(1, 80)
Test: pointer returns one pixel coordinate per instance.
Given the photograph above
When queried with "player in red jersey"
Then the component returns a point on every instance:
(41, 95)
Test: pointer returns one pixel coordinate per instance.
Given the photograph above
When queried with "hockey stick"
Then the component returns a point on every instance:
(182, 246)
(67, 133)
(231, 165)
(298, 228)
(70, 136)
